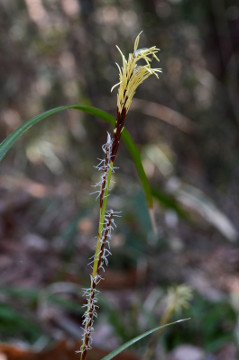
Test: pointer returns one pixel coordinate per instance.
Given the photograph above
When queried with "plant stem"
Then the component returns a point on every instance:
(131, 76)
(97, 263)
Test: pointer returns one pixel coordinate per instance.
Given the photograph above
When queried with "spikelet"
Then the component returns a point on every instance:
(104, 166)
(91, 293)
(131, 75)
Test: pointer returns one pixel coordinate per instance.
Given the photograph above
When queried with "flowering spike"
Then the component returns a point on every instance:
(90, 294)
(132, 75)
(104, 165)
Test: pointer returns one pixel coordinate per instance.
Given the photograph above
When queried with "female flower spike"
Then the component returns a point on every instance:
(132, 75)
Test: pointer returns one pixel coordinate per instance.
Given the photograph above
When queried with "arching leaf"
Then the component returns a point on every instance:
(6, 145)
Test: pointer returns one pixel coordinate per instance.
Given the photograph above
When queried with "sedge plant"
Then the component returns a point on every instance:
(131, 75)
(177, 299)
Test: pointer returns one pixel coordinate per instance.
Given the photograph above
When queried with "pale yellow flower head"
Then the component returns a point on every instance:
(132, 75)
(178, 298)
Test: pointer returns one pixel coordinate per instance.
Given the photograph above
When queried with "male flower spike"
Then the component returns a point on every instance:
(131, 75)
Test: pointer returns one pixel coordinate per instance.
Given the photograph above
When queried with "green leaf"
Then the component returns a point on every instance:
(137, 338)
(12, 138)
(139, 166)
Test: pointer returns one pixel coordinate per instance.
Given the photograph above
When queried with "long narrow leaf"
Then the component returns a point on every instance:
(11, 139)
(137, 338)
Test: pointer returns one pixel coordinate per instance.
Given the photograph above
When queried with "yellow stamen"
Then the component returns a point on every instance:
(132, 75)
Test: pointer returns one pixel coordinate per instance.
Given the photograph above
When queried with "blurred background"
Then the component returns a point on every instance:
(185, 126)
